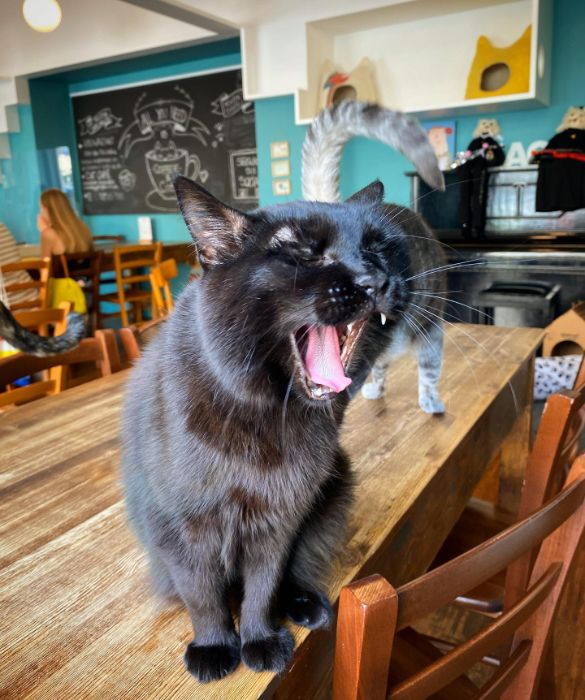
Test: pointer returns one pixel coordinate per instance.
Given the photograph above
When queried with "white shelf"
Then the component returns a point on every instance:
(422, 52)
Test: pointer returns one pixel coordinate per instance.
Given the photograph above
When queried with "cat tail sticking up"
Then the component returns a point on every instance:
(24, 340)
(334, 127)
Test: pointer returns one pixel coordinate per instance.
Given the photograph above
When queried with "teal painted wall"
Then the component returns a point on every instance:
(21, 188)
(365, 160)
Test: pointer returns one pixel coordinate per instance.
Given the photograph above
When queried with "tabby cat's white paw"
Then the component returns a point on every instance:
(431, 404)
(372, 391)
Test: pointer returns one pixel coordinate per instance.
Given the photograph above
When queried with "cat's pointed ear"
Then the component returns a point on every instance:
(371, 194)
(217, 229)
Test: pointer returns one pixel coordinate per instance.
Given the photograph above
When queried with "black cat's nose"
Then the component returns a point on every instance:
(373, 284)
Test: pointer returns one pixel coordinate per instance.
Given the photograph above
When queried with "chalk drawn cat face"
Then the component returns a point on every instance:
(293, 292)
(573, 119)
(487, 127)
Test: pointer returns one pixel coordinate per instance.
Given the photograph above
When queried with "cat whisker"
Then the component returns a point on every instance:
(453, 301)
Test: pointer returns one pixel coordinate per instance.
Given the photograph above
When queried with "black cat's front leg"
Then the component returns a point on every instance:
(319, 538)
(265, 646)
(199, 580)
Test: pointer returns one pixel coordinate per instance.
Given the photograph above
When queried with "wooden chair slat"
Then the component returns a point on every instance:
(501, 680)
(458, 661)
(440, 586)
(23, 394)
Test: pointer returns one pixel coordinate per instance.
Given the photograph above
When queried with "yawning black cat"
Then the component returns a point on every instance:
(232, 465)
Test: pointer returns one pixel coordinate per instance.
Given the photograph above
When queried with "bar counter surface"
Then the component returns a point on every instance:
(78, 618)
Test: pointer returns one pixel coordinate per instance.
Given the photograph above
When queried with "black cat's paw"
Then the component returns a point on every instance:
(210, 663)
(308, 608)
(271, 653)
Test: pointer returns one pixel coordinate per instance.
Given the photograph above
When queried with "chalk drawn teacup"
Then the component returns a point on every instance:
(163, 164)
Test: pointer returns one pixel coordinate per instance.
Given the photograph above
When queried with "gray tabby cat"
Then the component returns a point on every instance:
(235, 480)
(420, 328)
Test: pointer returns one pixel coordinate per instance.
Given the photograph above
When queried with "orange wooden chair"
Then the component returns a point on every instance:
(28, 293)
(39, 320)
(160, 281)
(134, 338)
(130, 262)
(554, 448)
(102, 350)
(378, 655)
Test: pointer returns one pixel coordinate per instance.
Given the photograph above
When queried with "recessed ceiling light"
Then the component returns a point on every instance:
(42, 15)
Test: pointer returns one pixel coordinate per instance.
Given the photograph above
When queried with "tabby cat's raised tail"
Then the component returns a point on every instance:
(24, 340)
(331, 130)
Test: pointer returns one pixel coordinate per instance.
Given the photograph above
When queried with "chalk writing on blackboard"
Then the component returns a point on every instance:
(132, 142)
(244, 174)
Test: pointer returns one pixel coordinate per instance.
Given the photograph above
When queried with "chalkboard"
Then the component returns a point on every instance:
(133, 140)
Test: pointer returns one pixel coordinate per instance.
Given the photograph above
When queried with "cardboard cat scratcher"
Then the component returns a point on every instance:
(336, 85)
(500, 71)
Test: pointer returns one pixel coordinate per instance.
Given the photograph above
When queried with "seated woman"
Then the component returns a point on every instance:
(62, 231)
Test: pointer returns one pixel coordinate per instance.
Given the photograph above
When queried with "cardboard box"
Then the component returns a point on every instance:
(566, 334)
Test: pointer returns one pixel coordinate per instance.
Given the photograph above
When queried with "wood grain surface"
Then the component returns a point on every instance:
(78, 619)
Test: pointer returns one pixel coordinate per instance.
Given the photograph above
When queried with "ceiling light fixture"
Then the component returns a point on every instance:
(42, 15)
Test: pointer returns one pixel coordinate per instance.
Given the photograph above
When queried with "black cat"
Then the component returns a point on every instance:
(232, 466)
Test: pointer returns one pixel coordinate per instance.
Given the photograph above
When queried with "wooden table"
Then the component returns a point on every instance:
(77, 618)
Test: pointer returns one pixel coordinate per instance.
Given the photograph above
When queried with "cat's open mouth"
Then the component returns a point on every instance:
(323, 354)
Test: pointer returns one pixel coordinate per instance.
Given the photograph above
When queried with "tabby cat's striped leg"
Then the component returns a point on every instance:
(430, 361)
(375, 389)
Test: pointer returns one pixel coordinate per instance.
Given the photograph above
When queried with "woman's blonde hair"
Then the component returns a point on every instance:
(74, 234)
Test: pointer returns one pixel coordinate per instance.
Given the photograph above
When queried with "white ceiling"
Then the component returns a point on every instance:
(89, 32)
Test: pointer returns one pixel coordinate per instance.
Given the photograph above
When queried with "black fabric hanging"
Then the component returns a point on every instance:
(561, 177)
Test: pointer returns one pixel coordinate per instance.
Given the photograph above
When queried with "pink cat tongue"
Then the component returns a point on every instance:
(323, 358)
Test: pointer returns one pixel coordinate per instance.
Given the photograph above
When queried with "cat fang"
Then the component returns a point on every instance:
(347, 338)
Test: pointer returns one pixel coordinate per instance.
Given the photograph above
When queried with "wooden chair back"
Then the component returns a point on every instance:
(130, 262)
(160, 281)
(85, 267)
(101, 349)
(22, 285)
(38, 320)
(134, 338)
(372, 612)
(546, 470)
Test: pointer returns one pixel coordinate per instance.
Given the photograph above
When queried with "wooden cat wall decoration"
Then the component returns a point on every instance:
(336, 86)
(500, 71)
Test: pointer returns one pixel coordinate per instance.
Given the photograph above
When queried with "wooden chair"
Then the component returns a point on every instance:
(129, 264)
(134, 338)
(160, 278)
(374, 637)
(22, 285)
(39, 320)
(102, 349)
(554, 448)
(84, 267)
